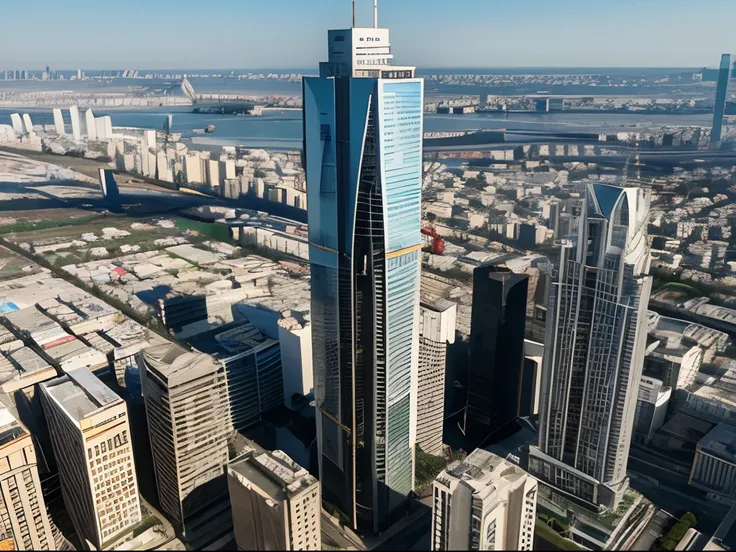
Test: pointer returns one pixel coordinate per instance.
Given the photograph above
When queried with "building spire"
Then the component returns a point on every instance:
(375, 14)
(353, 14)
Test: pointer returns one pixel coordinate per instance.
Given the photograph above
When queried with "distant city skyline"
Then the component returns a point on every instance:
(288, 33)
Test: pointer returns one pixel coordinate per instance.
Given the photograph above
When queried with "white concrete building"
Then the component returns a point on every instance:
(17, 123)
(193, 168)
(295, 339)
(90, 434)
(23, 517)
(27, 123)
(76, 126)
(59, 122)
(651, 408)
(437, 321)
(484, 503)
(276, 503)
(89, 118)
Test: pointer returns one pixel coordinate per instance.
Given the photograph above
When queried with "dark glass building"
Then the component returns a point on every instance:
(496, 351)
(363, 162)
(724, 76)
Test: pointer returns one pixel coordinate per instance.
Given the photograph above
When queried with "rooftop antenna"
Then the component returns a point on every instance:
(353, 14)
(375, 14)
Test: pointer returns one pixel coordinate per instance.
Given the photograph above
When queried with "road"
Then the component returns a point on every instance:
(677, 501)
(412, 535)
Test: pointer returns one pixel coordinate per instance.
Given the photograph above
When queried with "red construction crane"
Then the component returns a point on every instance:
(438, 244)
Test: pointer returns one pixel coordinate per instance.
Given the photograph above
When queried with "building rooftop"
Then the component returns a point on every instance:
(80, 393)
(234, 339)
(484, 471)
(720, 442)
(274, 473)
(177, 365)
(30, 320)
(437, 305)
(10, 428)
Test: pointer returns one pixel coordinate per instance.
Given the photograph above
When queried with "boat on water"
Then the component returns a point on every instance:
(209, 130)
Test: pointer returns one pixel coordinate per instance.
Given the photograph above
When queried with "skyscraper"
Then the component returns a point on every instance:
(719, 110)
(189, 424)
(595, 345)
(363, 160)
(484, 503)
(496, 350)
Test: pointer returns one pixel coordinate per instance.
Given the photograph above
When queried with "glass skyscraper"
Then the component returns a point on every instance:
(595, 346)
(724, 78)
(363, 160)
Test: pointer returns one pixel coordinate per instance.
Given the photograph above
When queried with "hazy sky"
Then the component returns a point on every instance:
(185, 34)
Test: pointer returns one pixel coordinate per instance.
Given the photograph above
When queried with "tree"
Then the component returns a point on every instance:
(431, 217)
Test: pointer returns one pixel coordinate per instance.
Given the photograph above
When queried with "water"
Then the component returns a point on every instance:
(282, 129)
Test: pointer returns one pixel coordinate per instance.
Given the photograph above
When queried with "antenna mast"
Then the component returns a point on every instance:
(353, 14)
(375, 14)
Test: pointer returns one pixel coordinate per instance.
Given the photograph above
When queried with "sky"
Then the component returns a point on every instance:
(276, 34)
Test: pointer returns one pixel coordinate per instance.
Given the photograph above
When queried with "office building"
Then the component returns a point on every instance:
(714, 468)
(496, 351)
(719, 109)
(363, 159)
(595, 346)
(276, 503)
(23, 519)
(188, 425)
(483, 503)
(252, 363)
(651, 408)
(437, 321)
(90, 435)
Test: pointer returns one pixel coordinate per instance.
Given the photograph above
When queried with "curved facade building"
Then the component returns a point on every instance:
(363, 156)
(595, 344)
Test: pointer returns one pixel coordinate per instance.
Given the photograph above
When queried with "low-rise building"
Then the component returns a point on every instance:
(714, 468)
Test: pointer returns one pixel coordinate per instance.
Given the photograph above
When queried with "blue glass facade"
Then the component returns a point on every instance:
(362, 155)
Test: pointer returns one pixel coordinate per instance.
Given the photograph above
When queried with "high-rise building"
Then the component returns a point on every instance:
(531, 381)
(651, 408)
(496, 350)
(89, 120)
(188, 426)
(363, 160)
(595, 346)
(436, 329)
(719, 110)
(59, 122)
(76, 126)
(90, 435)
(484, 503)
(276, 503)
(23, 518)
